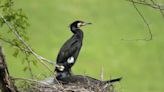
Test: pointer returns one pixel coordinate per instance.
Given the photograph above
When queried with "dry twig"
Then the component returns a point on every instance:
(149, 3)
(143, 18)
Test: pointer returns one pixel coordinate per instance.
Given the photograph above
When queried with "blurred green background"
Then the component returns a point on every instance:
(140, 63)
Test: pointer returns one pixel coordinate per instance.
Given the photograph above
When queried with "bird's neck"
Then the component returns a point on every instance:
(78, 32)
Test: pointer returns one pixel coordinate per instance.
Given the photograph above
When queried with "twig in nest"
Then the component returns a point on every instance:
(102, 74)
(30, 80)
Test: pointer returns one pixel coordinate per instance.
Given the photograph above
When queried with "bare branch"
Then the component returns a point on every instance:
(102, 73)
(153, 5)
(31, 80)
(159, 7)
(149, 30)
(134, 2)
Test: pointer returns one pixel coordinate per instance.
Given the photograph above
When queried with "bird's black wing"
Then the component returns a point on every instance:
(69, 48)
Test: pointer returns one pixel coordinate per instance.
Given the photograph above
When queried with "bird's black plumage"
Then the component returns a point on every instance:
(70, 50)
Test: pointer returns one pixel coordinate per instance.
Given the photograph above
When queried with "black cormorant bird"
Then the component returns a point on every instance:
(69, 51)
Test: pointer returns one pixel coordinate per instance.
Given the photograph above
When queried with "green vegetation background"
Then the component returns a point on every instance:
(140, 63)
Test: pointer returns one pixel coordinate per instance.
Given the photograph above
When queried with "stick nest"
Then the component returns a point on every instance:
(76, 83)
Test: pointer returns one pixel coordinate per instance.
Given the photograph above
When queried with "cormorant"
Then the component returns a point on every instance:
(69, 51)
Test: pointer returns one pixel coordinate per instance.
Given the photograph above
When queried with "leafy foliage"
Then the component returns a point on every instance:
(19, 21)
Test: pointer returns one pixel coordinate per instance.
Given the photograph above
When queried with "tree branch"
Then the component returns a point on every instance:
(6, 85)
(143, 18)
(159, 7)
(156, 6)
(23, 42)
(31, 80)
(41, 59)
(153, 5)
(13, 44)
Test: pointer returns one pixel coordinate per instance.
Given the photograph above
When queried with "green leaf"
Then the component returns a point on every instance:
(34, 62)
(25, 68)
(16, 52)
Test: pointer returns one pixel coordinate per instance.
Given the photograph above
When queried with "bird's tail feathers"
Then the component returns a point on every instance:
(114, 80)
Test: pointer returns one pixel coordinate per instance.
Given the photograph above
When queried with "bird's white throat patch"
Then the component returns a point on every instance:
(79, 25)
(70, 60)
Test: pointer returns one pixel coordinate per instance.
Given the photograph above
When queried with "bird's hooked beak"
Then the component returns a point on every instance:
(83, 24)
(86, 23)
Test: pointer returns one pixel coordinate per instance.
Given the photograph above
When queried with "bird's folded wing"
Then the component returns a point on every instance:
(65, 53)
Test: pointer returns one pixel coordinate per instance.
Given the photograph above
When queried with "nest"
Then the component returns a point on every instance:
(73, 83)
(76, 83)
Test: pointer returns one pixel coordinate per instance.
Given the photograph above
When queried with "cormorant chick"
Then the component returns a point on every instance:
(69, 51)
